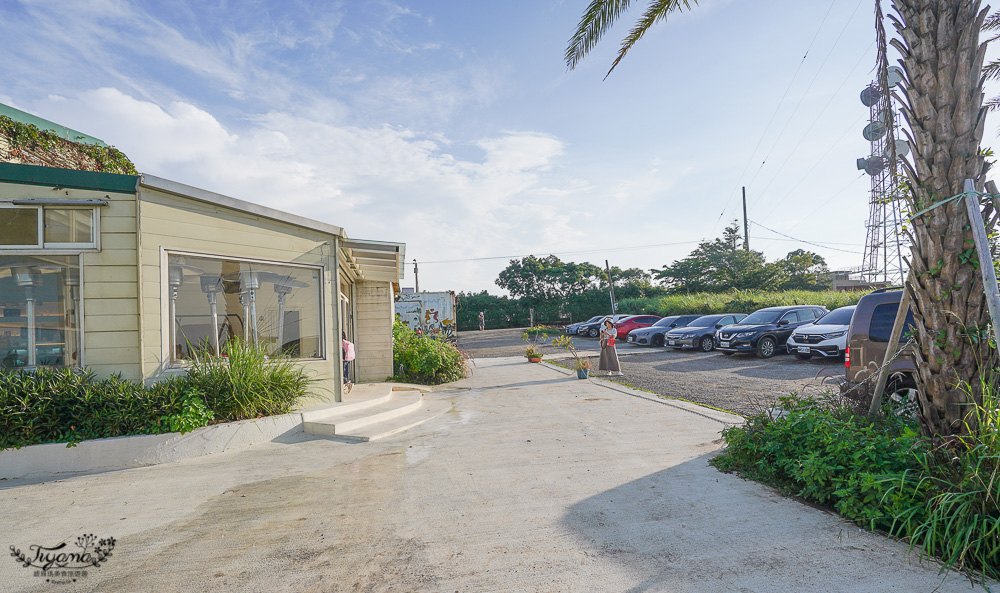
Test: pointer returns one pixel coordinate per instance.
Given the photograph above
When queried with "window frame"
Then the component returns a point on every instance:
(165, 321)
(41, 245)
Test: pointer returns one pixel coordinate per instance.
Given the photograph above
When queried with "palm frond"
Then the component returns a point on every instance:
(597, 19)
(992, 70)
(992, 22)
(993, 104)
(657, 11)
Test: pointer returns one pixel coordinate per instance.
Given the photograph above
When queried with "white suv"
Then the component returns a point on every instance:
(827, 336)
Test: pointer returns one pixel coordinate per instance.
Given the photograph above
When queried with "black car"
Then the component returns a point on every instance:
(765, 330)
(654, 334)
(592, 328)
(700, 333)
(574, 328)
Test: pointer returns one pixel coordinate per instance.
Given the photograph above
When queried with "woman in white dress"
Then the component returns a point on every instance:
(609, 356)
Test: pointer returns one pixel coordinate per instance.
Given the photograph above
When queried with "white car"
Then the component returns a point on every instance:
(827, 336)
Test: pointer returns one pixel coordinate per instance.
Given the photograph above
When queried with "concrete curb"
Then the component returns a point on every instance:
(136, 451)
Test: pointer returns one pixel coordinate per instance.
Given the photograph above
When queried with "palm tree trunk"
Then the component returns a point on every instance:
(943, 61)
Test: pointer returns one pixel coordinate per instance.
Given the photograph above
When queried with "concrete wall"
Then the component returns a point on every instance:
(174, 223)
(373, 330)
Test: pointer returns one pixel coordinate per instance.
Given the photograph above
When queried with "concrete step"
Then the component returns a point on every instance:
(350, 417)
(429, 410)
(348, 406)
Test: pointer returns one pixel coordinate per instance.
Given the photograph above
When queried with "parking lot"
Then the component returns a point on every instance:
(741, 384)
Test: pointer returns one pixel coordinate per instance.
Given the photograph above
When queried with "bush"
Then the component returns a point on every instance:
(66, 406)
(881, 474)
(737, 301)
(424, 360)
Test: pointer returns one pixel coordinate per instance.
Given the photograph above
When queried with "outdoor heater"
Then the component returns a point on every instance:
(175, 278)
(211, 285)
(249, 285)
(283, 286)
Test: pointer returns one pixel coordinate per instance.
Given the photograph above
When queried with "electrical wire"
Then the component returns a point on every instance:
(802, 240)
(770, 121)
(543, 254)
(822, 205)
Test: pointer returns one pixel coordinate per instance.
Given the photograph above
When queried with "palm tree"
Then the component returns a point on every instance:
(943, 61)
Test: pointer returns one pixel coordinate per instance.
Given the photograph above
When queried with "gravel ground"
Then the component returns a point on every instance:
(741, 384)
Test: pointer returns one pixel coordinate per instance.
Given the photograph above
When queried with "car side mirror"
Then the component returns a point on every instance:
(673, 325)
(783, 322)
(718, 326)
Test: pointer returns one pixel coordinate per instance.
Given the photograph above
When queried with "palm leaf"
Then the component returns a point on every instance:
(656, 12)
(597, 19)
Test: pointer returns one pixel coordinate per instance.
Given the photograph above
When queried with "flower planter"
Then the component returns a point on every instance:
(534, 359)
(582, 373)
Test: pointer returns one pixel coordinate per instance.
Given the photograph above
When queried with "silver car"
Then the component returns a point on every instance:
(827, 336)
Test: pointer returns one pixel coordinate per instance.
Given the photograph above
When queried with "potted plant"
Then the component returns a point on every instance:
(582, 365)
(532, 338)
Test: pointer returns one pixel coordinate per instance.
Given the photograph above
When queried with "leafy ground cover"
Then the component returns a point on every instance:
(942, 497)
(67, 406)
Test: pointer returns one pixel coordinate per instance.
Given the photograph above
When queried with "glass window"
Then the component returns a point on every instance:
(39, 311)
(882, 319)
(19, 226)
(66, 225)
(214, 300)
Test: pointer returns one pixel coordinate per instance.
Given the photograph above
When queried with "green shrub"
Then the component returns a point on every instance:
(737, 301)
(881, 474)
(424, 360)
(246, 383)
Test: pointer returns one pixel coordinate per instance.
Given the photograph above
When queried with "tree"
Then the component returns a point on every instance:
(719, 265)
(541, 279)
(803, 270)
(943, 61)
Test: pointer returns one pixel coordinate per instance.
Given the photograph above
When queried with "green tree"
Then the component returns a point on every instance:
(719, 265)
(803, 270)
(540, 279)
(943, 62)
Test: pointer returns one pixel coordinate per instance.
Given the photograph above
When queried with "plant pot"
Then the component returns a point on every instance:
(534, 359)
(582, 373)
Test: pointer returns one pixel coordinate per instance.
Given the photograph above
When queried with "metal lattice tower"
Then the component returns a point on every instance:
(885, 243)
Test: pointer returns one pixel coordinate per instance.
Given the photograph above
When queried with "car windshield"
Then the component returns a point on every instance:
(761, 318)
(707, 321)
(841, 316)
(665, 322)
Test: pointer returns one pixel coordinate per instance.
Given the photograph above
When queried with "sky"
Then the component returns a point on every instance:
(456, 128)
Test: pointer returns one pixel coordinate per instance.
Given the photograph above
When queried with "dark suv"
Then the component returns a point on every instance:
(867, 341)
(765, 330)
(700, 333)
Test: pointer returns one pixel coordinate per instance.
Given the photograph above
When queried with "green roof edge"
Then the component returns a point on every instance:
(68, 178)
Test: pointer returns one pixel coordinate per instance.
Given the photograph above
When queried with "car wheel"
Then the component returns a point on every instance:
(592, 332)
(766, 347)
(707, 344)
(658, 340)
(902, 398)
(803, 356)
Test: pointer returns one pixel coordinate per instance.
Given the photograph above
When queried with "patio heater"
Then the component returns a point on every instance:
(175, 278)
(249, 285)
(28, 278)
(72, 282)
(212, 285)
(283, 286)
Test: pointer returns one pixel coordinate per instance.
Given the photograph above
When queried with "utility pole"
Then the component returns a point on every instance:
(416, 277)
(746, 223)
(611, 286)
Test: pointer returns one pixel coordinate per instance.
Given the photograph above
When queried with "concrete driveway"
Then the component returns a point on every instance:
(535, 481)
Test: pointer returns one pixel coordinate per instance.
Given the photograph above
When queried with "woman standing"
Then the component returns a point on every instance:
(609, 356)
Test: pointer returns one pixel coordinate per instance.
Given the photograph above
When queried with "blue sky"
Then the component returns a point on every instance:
(454, 126)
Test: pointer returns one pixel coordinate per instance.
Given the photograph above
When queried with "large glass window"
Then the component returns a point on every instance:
(39, 311)
(53, 227)
(213, 300)
(66, 225)
(19, 226)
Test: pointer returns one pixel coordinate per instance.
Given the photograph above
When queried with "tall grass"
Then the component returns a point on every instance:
(247, 383)
(738, 301)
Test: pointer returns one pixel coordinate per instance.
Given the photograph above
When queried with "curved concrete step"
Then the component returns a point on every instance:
(429, 410)
(351, 417)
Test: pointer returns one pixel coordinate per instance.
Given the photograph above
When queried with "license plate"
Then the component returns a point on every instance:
(671, 342)
(630, 339)
(724, 344)
(803, 349)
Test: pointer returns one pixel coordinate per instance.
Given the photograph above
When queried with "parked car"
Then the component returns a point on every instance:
(592, 328)
(700, 332)
(867, 341)
(573, 328)
(654, 334)
(634, 322)
(827, 336)
(766, 330)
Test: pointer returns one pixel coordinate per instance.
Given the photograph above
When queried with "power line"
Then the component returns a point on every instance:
(822, 205)
(777, 108)
(542, 254)
(801, 240)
